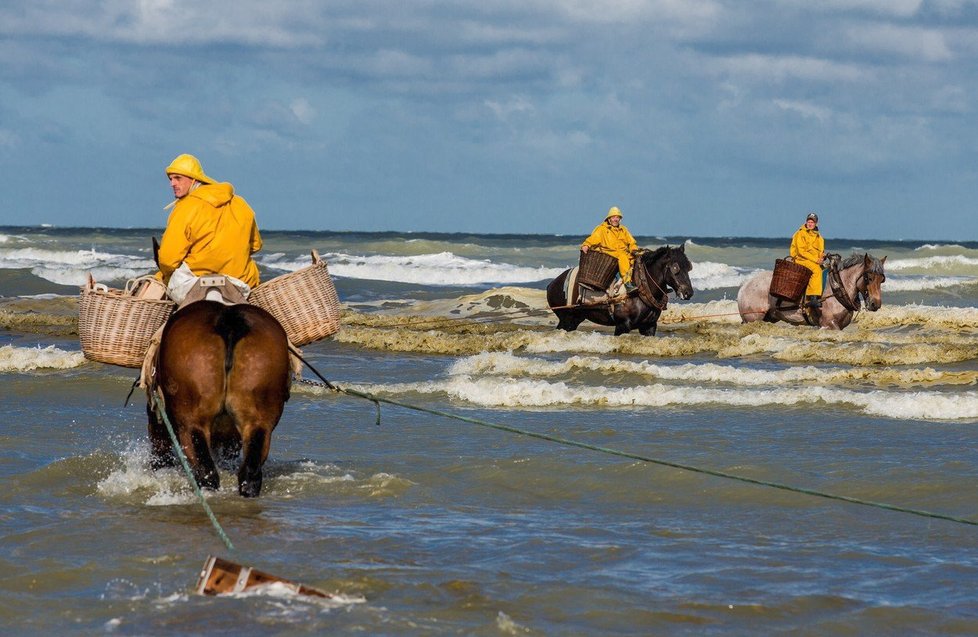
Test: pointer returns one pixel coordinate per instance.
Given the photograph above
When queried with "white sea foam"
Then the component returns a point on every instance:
(940, 246)
(25, 359)
(71, 267)
(531, 393)
(918, 283)
(444, 268)
(508, 364)
(708, 275)
(945, 263)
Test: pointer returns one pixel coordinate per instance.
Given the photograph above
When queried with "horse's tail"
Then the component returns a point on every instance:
(232, 326)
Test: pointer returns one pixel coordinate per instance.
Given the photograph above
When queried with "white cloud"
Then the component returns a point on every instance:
(503, 110)
(688, 12)
(899, 8)
(911, 42)
(805, 109)
(303, 110)
(166, 21)
(780, 68)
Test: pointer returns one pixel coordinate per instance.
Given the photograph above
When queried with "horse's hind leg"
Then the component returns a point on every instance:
(256, 444)
(196, 446)
(160, 445)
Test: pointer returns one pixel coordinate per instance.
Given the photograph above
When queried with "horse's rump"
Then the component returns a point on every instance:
(224, 372)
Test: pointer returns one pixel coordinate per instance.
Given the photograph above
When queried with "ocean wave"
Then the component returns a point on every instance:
(25, 359)
(921, 283)
(72, 267)
(951, 263)
(444, 268)
(508, 364)
(709, 275)
(522, 393)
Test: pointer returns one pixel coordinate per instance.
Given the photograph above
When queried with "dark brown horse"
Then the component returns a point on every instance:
(654, 274)
(224, 375)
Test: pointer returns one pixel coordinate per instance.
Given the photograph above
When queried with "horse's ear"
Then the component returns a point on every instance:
(883, 260)
(156, 252)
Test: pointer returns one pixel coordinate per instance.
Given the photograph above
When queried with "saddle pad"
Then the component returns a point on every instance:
(571, 290)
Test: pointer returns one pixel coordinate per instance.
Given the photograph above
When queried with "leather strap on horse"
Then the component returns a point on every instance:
(644, 293)
(838, 288)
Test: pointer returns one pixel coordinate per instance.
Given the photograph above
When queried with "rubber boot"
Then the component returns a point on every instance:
(812, 309)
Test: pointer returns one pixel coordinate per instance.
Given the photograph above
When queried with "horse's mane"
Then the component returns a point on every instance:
(663, 251)
(875, 265)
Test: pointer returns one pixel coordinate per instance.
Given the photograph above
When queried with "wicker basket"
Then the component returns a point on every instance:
(789, 280)
(115, 327)
(597, 269)
(304, 302)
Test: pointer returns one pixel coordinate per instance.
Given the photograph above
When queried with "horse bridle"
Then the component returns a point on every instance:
(839, 290)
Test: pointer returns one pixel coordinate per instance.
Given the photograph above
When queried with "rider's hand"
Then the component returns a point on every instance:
(584, 249)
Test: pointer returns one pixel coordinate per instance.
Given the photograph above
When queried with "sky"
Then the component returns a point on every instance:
(696, 117)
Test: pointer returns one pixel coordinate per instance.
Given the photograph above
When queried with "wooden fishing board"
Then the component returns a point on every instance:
(221, 576)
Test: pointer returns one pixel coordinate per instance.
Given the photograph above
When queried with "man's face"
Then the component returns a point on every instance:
(810, 224)
(181, 184)
(614, 220)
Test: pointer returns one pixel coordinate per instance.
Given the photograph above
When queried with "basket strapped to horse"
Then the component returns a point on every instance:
(789, 280)
(116, 327)
(597, 269)
(304, 302)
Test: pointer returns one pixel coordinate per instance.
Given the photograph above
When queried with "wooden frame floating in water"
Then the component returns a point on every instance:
(221, 576)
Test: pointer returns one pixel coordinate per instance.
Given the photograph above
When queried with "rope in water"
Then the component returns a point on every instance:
(624, 454)
(190, 474)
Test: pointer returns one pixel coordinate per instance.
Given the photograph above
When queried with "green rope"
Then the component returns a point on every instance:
(633, 456)
(190, 475)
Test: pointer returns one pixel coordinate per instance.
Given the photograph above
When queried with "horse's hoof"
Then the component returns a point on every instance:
(209, 481)
(249, 488)
(161, 463)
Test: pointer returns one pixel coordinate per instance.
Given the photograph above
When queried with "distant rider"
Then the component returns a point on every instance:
(210, 231)
(612, 238)
(808, 249)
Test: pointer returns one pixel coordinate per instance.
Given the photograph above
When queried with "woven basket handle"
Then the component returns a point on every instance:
(315, 257)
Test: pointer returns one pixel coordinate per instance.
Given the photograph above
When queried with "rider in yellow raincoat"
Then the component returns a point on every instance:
(614, 239)
(808, 249)
(211, 230)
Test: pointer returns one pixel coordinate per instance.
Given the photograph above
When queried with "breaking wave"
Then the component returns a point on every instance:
(26, 359)
(533, 393)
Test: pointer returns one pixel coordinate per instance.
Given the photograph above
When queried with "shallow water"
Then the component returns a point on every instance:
(428, 525)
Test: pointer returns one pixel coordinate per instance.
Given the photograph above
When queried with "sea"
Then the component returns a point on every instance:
(718, 478)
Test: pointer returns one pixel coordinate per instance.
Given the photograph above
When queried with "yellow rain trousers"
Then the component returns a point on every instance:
(213, 231)
(806, 248)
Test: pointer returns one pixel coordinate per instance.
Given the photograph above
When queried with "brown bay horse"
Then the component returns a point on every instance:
(224, 375)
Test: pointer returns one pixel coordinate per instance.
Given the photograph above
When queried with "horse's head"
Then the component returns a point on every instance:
(671, 266)
(870, 284)
(869, 277)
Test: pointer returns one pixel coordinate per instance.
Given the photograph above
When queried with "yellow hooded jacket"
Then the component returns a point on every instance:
(807, 247)
(617, 242)
(213, 231)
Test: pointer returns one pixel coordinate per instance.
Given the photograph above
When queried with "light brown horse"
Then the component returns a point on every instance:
(224, 375)
(858, 277)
